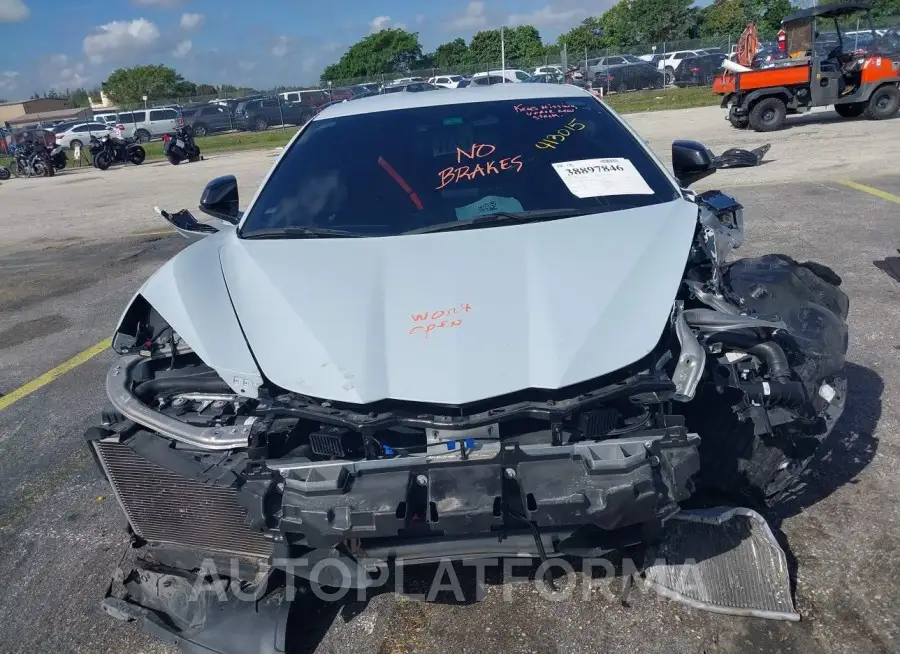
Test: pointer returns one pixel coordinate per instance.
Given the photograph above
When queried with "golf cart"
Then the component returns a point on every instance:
(815, 74)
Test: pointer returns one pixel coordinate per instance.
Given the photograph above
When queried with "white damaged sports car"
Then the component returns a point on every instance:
(458, 324)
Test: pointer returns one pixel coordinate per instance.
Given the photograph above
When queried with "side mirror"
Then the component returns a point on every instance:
(220, 199)
(691, 161)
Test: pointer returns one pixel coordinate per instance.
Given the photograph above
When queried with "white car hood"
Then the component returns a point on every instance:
(455, 317)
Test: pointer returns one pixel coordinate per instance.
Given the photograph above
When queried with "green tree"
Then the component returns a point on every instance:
(655, 21)
(80, 98)
(450, 55)
(886, 8)
(207, 89)
(522, 43)
(129, 85)
(387, 51)
(724, 17)
(588, 35)
(618, 26)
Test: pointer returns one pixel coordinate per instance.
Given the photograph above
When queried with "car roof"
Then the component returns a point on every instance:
(396, 101)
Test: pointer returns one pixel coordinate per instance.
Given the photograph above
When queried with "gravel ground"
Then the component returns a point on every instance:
(72, 259)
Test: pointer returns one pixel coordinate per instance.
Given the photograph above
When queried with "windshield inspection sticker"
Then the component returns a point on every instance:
(487, 205)
(592, 178)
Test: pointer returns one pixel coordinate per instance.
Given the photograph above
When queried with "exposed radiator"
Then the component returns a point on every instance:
(163, 506)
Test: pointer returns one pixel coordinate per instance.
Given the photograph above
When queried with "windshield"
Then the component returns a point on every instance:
(386, 173)
(631, 59)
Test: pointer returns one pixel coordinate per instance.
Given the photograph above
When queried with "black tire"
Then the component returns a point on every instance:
(75, 143)
(62, 165)
(4, 173)
(174, 160)
(883, 103)
(39, 169)
(853, 110)
(200, 129)
(768, 115)
(102, 161)
(142, 135)
(260, 125)
(738, 122)
(137, 156)
(669, 75)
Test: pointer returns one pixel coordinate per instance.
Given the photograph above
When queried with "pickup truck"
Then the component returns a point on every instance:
(262, 113)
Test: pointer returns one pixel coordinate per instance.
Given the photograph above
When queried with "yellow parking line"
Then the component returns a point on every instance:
(877, 192)
(163, 232)
(50, 375)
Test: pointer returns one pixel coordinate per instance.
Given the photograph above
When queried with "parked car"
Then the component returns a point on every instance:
(699, 71)
(108, 118)
(147, 124)
(410, 87)
(629, 77)
(259, 115)
(446, 81)
(600, 64)
(513, 75)
(208, 118)
(488, 80)
(670, 62)
(546, 78)
(767, 57)
(232, 103)
(71, 135)
(652, 59)
(310, 97)
(363, 90)
(549, 70)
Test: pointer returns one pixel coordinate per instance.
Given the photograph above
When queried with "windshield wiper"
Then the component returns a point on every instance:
(299, 232)
(503, 218)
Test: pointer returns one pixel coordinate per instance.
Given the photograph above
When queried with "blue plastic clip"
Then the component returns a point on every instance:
(388, 451)
(470, 443)
(451, 445)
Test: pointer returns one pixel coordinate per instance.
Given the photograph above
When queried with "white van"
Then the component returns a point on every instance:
(513, 75)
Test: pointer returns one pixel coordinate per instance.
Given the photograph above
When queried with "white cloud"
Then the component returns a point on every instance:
(331, 46)
(9, 80)
(281, 47)
(12, 11)
(247, 65)
(61, 73)
(547, 16)
(182, 49)
(384, 22)
(379, 23)
(164, 4)
(120, 37)
(192, 21)
(473, 18)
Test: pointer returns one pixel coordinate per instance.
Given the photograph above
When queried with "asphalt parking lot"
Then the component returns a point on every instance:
(76, 247)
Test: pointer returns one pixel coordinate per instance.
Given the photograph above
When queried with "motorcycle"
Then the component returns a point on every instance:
(58, 157)
(31, 161)
(180, 146)
(105, 151)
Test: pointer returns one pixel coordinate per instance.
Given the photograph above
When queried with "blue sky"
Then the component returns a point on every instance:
(259, 44)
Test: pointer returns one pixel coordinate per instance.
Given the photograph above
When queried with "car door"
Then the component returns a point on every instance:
(163, 121)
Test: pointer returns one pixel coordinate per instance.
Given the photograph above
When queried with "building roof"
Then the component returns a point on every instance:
(394, 101)
(55, 114)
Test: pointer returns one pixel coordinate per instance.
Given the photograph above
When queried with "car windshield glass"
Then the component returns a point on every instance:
(415, 168)
(631, 59)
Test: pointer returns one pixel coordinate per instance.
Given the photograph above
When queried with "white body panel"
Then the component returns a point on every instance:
(189, 293)
(542, 305)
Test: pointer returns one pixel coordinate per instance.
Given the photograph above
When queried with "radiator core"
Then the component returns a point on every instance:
(165, 507)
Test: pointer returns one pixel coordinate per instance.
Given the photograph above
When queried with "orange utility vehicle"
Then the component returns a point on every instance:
(856, 83)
